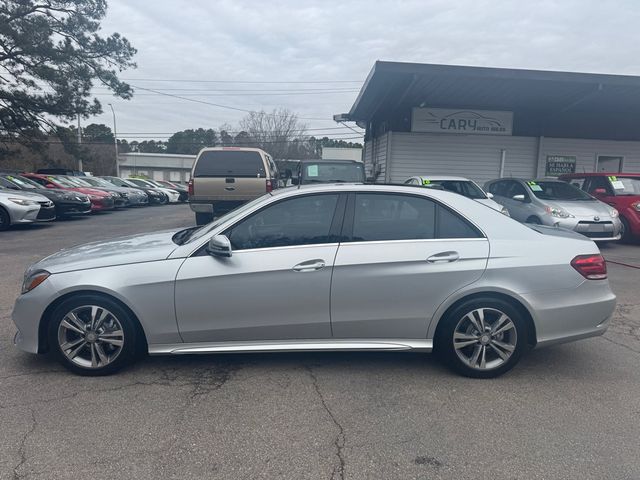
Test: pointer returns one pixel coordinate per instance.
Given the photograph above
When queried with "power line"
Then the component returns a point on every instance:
(238, 131)
(252, 90)
(241, 81)
(239, 94)
(223, 106)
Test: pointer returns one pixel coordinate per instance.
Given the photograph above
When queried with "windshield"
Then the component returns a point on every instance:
(557, 190)
(626, 185)
(198, 233)
(97, 182)
(118, 182)
(22, 182)
(139, 182)
(64, 181)
(462, 187)
(332, 172)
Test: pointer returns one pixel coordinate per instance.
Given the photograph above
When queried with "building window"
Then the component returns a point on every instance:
(174, 176)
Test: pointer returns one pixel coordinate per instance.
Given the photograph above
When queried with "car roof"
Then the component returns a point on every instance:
(443, 178)
(443, 195)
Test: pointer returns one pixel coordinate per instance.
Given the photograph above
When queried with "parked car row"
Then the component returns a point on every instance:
(42, 197)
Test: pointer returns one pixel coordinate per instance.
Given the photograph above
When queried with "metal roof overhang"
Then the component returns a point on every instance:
(544, 103)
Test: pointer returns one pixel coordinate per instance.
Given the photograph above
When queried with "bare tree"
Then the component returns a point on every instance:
(279, 132)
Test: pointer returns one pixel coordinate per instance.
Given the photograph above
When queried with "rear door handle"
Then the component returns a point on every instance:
(444, 257)
(229, 189)
(309, 266)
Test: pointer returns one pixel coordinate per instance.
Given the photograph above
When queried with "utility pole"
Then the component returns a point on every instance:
(115, 140)
(79, 143)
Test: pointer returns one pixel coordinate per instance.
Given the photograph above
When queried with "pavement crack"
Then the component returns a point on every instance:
(340, 440)
(22, 449)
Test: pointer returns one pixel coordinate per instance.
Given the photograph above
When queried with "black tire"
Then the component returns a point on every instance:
(130, 338)
(534, 220)
(5, 220)
(444, 342)
(203, 218)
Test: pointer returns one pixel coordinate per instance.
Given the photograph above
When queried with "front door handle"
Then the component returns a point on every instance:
(309, 266)
(444, 257)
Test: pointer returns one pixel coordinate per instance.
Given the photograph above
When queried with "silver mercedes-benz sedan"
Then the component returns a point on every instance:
(326, 267)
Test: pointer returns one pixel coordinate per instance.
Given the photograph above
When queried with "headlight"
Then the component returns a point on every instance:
(614, 213)
(558, 212)
(23, 202)
(504, 211)
(636, 206)
(32, 280)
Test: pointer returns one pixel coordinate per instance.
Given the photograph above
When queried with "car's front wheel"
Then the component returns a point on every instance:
(92, 335)
(482, 338)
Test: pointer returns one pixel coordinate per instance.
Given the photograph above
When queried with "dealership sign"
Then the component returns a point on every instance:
(559, 165)
(476, 122)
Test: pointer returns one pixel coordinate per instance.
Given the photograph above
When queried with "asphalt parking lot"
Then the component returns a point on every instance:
(569, 411)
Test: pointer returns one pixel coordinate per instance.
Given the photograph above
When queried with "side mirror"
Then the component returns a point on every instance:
(219, 246)
(600, 191)
(489, 195)
(519, 198)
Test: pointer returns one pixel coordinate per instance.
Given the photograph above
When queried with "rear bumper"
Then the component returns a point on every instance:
(567, 315)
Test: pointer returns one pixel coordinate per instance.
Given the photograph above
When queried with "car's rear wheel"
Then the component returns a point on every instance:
(5, 220)
(482, 338)
(534, 220)
(92, 335)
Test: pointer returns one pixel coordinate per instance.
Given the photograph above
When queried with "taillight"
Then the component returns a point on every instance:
(269, 186)
(190, 187)
(592, 267)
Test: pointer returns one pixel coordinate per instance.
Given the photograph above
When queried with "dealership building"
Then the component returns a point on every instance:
(485, 123)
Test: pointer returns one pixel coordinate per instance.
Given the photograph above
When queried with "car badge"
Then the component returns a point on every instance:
(597, 219)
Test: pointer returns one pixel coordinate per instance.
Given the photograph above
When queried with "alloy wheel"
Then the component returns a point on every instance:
(485, 338)
(90, 336)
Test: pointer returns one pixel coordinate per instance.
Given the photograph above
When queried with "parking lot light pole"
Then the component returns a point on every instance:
(115, 140)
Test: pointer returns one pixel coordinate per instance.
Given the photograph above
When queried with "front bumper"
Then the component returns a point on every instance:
(72, 208)
(101, 204)
(24, 213)
(603, 230)
(567, 315)
(46, 214)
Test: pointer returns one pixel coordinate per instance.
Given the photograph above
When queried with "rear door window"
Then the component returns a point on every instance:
(386, 217)
(229, 163)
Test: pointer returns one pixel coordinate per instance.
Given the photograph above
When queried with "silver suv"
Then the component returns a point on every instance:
(556, 203)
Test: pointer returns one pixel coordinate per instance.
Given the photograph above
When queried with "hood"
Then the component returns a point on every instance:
(91, 191)
(146, 247)
(490, 203)
(29, 195)
(586, 209)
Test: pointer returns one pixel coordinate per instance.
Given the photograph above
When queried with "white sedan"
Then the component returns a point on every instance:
(460, 185)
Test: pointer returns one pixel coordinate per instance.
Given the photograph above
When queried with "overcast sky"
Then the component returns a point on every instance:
(238, 41)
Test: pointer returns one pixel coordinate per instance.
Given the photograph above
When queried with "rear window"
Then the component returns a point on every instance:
(332, 172)
(229, 163)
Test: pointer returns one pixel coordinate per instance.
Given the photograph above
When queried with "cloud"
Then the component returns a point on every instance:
(289, 40)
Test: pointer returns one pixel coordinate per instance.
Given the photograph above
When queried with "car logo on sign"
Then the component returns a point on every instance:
(597, 219)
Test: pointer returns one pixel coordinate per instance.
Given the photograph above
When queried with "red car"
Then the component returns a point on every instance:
(100, 200)
(620, 190)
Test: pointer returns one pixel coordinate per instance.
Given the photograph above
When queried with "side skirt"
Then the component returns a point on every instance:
(422, 345)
